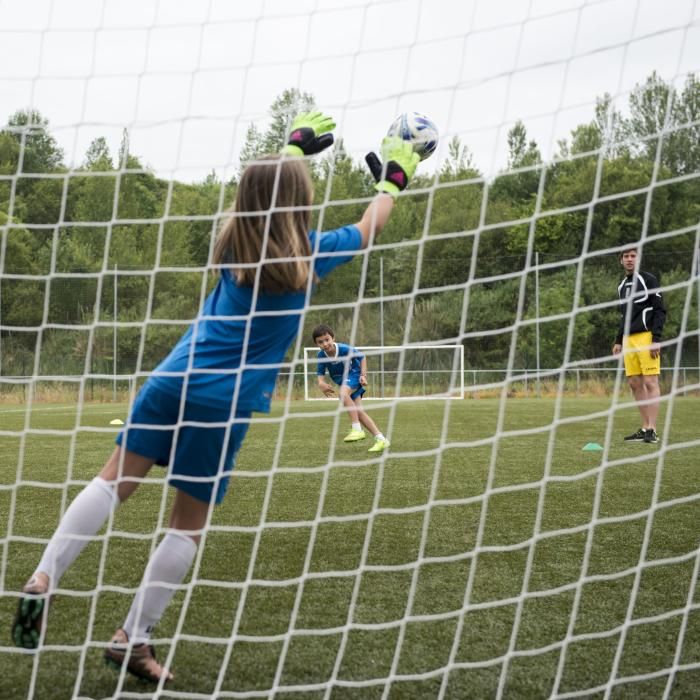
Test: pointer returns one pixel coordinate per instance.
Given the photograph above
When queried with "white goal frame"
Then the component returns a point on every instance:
(457, 393)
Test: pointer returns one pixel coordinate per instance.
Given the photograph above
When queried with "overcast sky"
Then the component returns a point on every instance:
(187, 77)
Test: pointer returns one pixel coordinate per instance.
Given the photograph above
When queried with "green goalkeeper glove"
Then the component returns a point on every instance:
(400, 164)
(310, 134)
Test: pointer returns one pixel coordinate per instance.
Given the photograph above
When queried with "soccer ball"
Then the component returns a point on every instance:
(419, 130)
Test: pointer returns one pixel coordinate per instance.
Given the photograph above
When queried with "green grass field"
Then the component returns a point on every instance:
(510, 564)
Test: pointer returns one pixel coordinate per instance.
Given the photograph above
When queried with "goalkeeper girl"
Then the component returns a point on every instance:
(192, 414)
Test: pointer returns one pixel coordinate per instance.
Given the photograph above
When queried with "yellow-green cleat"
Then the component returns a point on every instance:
(355, 435)
(379, 446)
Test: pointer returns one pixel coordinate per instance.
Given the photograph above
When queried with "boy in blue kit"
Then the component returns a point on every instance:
(193, 413)
(347, 367)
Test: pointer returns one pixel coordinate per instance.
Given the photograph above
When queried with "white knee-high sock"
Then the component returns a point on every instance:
(84, 517)
(169, 565)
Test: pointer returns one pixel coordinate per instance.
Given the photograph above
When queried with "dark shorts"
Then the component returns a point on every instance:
(200, 457)
(352, 382)
(359, 391)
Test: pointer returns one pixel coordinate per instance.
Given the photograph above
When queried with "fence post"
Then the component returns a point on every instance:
(114, 341)
(381, 321)
(537, 317)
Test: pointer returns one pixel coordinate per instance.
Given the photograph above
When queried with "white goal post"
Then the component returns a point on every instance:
(401, 372)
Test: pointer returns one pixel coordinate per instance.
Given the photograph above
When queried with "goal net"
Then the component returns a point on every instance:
(508, 545)
(401, 372)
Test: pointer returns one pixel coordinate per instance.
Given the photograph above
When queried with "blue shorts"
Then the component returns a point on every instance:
(199, 461)
(357, 391)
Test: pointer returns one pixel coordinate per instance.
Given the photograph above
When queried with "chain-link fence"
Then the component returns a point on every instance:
(408, 384)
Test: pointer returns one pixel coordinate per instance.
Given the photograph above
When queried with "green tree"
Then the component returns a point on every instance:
(282, 112)
(612, 128)
(28, 149)
(650, 114)
(38, 149)
(97, 156)
(252, 148)
(681, 152)
(436, 254)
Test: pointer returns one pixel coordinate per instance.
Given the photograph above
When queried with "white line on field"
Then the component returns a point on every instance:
(65, 410)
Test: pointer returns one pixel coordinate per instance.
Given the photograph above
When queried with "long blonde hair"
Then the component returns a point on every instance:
(274, 197)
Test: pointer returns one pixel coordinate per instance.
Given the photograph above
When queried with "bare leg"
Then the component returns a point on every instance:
(189, 515)
(647, 393)
(637, 386)
(128, 472)
(349, 404)
(365, 419)
(653, 396)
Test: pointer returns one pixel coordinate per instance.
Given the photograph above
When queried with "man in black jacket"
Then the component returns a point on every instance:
(639, 335)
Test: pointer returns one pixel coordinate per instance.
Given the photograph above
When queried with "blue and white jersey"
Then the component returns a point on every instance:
(236, 350)
(344, 365)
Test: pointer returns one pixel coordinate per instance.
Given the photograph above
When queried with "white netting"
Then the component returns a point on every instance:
(508, 545)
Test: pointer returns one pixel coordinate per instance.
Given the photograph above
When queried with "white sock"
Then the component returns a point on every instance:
(169, 564)
(84, 517)
(379, 436)
(356, 426)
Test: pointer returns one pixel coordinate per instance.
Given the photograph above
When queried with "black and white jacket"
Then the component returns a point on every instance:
(646, 309)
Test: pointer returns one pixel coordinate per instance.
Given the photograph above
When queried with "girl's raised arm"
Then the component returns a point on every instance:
(400, 164)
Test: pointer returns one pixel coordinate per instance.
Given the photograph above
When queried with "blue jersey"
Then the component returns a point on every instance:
(345, 365)
(236, 350)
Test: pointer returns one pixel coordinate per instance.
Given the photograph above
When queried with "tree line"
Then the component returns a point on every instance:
(457, 261)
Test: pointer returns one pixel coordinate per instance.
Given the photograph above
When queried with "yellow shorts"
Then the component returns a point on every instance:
(635, 350)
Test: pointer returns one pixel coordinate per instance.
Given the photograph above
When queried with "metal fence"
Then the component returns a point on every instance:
(428, 383)
(577, 381)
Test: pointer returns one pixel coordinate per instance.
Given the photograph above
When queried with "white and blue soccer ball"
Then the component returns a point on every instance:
(419, 130)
